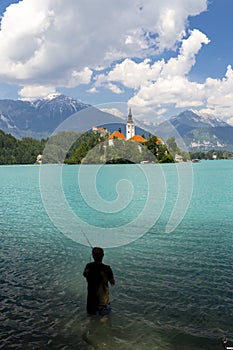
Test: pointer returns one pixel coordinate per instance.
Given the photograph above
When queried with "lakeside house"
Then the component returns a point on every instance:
(39, 159)
(178, 158)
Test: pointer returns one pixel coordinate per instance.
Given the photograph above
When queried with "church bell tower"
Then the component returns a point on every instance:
(130, 129)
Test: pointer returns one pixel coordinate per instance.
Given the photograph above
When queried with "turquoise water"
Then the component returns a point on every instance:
(173, 291)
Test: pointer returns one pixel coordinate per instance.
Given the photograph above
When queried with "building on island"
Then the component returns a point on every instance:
(115, 135)
(101, 131)
(159, 141)
(119, 135)
(130, 128)
(129, 135)
(138, 138)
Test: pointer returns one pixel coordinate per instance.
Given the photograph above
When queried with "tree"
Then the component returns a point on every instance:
(172, 146)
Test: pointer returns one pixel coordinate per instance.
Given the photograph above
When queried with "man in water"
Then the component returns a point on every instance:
(98, 275)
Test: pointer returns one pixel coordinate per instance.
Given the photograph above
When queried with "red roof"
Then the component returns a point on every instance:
(117, 135)
(138, 138)
(159, 140)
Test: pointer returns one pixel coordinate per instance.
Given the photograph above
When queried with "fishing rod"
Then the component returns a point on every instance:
(88, 241)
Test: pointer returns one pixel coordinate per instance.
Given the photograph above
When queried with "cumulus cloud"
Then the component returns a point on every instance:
(32, 92)
(132, 74)
(213, 96)
(164, 85)
(60, 43)
(113, 111)
(161, 83)
(114, 88)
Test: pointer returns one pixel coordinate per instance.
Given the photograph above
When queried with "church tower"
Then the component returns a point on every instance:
(130, 129)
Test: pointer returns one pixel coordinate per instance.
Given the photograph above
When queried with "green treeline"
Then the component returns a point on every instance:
(92, 148)
(13, 151)
(212, 154)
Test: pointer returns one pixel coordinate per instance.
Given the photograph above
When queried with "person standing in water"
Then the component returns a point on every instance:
(98, 275)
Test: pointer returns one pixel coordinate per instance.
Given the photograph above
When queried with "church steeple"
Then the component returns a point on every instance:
(130, 130)
(130, 117)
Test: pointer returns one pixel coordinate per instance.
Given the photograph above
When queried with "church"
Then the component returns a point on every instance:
(129, 132)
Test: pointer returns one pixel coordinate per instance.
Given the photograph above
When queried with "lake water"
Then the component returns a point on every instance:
(173, 290)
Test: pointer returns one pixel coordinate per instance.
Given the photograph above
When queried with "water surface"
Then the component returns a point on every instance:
(173, 291)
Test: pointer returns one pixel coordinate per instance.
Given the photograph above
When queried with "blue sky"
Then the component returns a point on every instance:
(159, 57)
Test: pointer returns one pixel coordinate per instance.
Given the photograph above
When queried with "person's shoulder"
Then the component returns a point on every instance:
(89, 265)
(107, 267)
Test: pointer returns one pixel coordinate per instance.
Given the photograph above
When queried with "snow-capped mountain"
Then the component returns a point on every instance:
(38, 119)
(197, 131)
(59, 103)
(207, 119)
(195, 119)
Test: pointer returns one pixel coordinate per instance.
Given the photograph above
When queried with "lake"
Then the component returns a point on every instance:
(167, 232)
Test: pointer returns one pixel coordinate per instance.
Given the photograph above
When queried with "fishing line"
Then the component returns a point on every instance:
(88, 241)
(85, 236)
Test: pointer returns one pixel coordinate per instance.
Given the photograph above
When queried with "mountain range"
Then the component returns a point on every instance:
(196, 131)
(38, 119)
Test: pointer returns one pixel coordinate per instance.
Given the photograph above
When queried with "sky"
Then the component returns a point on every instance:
(159, 57)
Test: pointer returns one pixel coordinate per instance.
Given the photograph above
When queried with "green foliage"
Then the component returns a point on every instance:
(83, 144)
(160, 151)
(152, 145)
(58, 146)
(212, 154)
(172, 146)
(13, 151)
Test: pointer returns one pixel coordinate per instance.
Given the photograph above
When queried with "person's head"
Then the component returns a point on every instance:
(98, 254)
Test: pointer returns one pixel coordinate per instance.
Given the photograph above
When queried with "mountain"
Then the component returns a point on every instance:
(38, 119)
(196, 131)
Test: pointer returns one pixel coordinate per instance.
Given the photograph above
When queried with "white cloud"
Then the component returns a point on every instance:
(81, 77)
(34, 92)
(59, 43)
(113, 111)
(132, 74)
(182, 64)
(114, 88)
(163, 84)
(213, 96)
(92, 90)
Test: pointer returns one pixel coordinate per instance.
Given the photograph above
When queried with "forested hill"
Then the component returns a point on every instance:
(13, 151)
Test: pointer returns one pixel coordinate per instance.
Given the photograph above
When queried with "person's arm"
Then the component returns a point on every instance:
(111, 277)
(86, 271)
(112, 281)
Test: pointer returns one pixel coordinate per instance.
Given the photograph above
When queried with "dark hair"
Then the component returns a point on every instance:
(98, 254)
